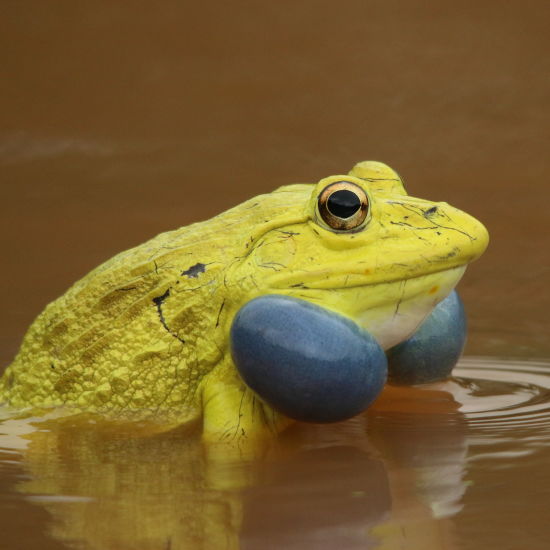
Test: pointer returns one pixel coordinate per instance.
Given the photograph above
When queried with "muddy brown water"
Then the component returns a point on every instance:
(119, 122)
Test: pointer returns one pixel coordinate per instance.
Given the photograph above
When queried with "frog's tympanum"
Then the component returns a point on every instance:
(292, 305)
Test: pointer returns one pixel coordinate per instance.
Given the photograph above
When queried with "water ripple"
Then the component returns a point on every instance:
(503, 394)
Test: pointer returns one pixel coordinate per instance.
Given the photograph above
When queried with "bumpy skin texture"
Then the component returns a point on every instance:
(145, 335)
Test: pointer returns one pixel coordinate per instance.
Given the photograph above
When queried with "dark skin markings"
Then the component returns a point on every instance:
(430, 211)
(286, 234)
(454, 229)
(432, 227)
(271, 265)
(449, 255)
(158, 301)
(424, 214)
(220, 312)
(194, 271)
(400, 298)
(227, 433)
(196, 287)
(412, 227)
(240, 416)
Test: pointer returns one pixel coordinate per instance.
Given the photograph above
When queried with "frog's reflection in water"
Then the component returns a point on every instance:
(318, 498)
(322, 487)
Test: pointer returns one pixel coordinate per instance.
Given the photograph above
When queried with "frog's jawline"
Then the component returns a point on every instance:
(392, 311)
(393, 323)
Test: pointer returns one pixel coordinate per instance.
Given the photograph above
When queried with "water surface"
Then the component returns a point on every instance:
(417, 471)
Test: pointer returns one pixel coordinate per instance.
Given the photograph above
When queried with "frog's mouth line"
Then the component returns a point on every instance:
(323, 281)
(391, 311)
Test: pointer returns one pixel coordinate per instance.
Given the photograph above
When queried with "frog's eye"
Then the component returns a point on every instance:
(343, 205)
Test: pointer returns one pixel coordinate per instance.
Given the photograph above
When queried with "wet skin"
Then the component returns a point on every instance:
(146, 334)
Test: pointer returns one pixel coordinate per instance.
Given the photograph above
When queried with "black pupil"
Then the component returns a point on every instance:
(343, 203)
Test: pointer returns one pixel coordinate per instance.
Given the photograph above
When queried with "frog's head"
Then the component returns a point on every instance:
(359, 245)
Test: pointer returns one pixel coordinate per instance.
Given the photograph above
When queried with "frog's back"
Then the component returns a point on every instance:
(140, 330)
(94, 344)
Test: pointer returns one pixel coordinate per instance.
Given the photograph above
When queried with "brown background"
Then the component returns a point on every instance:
(120, 122)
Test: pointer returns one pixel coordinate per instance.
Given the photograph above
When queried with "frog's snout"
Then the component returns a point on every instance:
(306, 362)
(474, 237)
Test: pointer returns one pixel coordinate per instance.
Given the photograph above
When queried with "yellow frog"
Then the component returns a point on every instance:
(146, 334)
